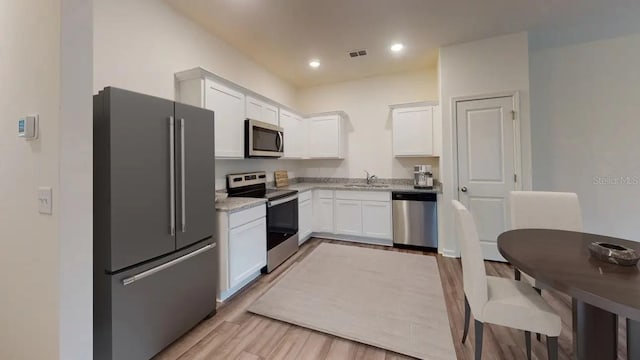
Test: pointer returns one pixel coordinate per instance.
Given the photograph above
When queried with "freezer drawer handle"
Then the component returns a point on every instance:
(182, 173)
(130, 280)
(172, 176)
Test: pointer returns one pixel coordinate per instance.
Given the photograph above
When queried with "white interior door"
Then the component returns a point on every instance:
(486, 165)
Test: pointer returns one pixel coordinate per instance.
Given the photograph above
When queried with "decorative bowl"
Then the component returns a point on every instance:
(614, 254)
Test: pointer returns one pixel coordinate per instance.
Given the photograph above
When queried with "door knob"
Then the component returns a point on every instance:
(463, 189)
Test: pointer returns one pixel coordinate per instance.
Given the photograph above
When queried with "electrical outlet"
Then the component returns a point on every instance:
(44, 200)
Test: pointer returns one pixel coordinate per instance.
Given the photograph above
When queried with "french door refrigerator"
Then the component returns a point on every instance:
(155, 255)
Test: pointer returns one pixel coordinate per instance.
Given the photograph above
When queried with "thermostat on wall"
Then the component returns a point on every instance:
(28, 127)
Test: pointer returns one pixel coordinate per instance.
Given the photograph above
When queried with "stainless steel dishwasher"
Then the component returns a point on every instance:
(415, 219)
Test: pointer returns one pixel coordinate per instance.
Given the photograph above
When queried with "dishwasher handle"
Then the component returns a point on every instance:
(414, 196)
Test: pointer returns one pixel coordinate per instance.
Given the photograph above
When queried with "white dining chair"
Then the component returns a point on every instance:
(497, 300)
(544, 210)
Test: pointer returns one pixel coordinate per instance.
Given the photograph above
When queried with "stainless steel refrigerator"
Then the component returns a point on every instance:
(155, 255)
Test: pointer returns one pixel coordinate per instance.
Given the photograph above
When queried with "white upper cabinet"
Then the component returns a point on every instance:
(416, 131)
(327, 137)
(228, 106)
(318, 137)
(262, 111)
(295, 135)
(227, 103)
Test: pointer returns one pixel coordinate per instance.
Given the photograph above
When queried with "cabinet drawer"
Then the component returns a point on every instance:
(324, 194)
(304, 196)
(363, 195)
(246, 216)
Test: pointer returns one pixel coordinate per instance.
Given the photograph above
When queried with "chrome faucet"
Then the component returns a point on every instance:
(370, 179)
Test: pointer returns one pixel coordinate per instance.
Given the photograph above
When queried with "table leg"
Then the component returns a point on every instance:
(595, 332)
(633, 339)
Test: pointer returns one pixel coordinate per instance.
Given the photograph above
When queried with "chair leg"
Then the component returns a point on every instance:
(478, 329)
(539, 291)
(552, 348)
(516, 274)
(467, 315)
(527, 341)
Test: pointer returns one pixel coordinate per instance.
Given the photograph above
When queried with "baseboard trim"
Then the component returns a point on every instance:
(358, 239)
(229, 293)
(449, 253)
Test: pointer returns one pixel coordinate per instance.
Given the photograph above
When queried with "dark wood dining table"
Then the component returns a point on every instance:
(601, 291)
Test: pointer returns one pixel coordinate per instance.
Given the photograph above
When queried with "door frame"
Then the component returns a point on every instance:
(515, 95)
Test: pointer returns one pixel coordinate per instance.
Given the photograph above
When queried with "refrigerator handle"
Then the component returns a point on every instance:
(172, 176)
(131, 279)
(183, 176)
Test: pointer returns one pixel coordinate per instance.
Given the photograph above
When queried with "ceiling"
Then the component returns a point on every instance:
(283, 35)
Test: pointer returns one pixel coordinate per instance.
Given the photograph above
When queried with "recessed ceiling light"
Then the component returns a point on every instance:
(397, 47)
(314, 63)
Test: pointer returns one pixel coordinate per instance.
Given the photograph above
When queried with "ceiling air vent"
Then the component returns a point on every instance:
(356, 53)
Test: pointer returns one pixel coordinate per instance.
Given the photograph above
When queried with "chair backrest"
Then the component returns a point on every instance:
(474, 277)
(545, 210)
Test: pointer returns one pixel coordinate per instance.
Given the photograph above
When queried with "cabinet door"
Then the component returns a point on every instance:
(294, 135)
(261, 111)
(229, 109)
(413, 131)
(270, 114)
(247, 250)
(323, 215)
(348, 217)
(305, 210)
(376, 219)
(324, 137)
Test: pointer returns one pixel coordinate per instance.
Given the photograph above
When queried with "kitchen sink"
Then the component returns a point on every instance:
(366, 186)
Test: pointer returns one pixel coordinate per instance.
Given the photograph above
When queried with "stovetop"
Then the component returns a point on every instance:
(273, 194)
(254, 185)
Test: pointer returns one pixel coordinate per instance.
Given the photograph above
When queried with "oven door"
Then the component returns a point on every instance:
(282, 220)
(263, 140)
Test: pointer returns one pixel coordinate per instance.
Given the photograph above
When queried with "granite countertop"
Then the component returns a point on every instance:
(233, 204)
(305, 186)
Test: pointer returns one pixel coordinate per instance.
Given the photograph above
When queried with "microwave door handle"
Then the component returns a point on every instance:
(281, 141)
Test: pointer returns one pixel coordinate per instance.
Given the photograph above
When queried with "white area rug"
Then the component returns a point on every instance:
(382, 298)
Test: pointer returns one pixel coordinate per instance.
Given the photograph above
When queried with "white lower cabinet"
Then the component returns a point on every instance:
(376, 219)
(348, 217)
(359, 214)
(247, 250)
(323, 211)
(243, 248)
(305, 219)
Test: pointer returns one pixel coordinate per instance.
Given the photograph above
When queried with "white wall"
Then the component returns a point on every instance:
(29, 260)
(476, 68)
(140, 45)
(367, 101)
(75, 196)
(585, 126)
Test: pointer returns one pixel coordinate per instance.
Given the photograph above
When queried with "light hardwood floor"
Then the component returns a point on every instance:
(234, 333)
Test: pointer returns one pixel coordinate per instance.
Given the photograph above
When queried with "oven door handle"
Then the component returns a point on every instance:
(281, 201)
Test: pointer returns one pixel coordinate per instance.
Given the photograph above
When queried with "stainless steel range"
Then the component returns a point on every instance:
(282, 214)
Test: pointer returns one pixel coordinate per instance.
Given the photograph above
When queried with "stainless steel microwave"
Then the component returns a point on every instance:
(262, 140)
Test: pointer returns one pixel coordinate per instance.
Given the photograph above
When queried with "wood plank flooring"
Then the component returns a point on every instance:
(234, 333)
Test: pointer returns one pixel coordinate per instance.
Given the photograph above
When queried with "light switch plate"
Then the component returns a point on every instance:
(44, 200)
